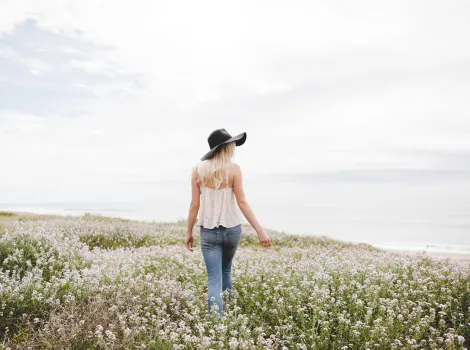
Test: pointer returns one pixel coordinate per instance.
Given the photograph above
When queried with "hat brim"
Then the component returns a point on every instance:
(239, 140)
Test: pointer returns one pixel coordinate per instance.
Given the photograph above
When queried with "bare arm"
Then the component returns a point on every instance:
(245, 207)
(193, 211)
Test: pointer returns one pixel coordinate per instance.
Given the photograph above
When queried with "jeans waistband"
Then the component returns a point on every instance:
(219, 227)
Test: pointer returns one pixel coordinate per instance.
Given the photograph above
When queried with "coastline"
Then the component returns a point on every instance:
(454, 256)
(461, 258)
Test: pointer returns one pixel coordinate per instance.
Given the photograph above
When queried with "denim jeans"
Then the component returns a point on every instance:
(218, 246)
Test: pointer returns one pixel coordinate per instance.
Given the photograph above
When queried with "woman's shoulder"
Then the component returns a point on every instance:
(235, 167)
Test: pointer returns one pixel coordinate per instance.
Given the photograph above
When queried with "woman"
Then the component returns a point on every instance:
(219, 218)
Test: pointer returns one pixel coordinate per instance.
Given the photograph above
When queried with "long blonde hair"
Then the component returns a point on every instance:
(213, 170)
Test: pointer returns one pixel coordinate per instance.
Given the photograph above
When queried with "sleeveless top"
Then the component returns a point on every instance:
(218, 207)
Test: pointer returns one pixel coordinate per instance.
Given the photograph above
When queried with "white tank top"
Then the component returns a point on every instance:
(218, 207)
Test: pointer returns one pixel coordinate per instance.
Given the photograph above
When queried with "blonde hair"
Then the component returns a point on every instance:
(213, 170)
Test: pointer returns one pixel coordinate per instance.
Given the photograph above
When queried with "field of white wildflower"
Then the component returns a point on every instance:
(94, 282)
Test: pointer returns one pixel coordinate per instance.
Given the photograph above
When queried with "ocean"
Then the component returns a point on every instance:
(423, 216)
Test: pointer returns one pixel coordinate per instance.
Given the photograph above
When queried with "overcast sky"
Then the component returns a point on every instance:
(99, 96)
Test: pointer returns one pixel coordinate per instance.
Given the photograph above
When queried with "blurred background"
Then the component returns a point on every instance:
(357, 114)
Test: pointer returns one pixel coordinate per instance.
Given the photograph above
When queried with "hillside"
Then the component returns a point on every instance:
(109, 283)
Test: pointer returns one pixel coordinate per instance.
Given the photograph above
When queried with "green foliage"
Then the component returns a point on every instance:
(97, 282)
(38, 263)
(21, 254)
(119, 240)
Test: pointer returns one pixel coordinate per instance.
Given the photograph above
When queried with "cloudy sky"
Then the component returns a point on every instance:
(102, 99)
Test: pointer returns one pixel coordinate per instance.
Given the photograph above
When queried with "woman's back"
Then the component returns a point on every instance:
(218, 205)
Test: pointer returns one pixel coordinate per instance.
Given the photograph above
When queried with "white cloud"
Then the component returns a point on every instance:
(32, 64)
(36, 72)
(317, 85)
(94, 66)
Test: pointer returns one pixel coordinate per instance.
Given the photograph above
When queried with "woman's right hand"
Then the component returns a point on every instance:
(264, 239)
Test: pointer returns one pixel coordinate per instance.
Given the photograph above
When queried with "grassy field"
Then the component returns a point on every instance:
(101, 283)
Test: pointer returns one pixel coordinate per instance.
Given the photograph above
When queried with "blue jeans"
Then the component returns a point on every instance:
(218, 246)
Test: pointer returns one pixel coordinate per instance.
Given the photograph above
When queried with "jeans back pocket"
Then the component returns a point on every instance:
(233, 235)
(208, 237)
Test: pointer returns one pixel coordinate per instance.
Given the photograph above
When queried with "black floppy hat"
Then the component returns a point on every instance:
(220, 137)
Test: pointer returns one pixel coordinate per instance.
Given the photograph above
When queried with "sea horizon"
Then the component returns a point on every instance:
(131, 211)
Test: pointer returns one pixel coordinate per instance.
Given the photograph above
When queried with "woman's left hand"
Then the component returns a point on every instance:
(189, 241)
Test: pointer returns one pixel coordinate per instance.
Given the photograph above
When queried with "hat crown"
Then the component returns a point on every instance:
(217, 137)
